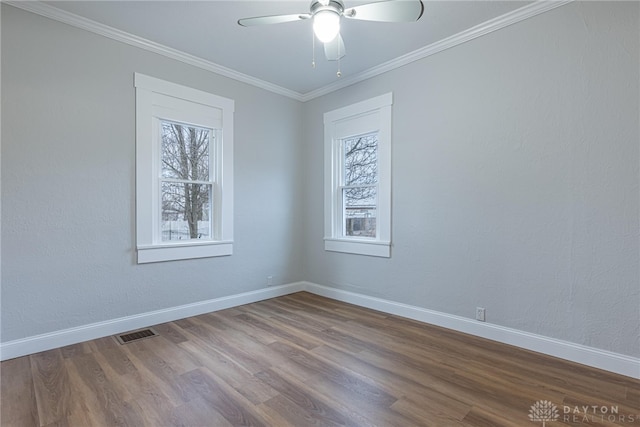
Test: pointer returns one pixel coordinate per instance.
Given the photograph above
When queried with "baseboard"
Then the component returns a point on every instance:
(601, 359)
(48, 341)
(609, 361)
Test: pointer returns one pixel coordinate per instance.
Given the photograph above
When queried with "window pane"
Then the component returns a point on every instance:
(361, 160)
(185, 152)
(360, 211)
(185, 211)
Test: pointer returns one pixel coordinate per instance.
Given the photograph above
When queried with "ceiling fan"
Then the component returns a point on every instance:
(327, 14)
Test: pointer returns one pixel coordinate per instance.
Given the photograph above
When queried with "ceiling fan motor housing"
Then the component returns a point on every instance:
(332, 5)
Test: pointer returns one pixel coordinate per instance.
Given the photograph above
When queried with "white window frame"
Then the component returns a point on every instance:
(161, 100)
(372, 115)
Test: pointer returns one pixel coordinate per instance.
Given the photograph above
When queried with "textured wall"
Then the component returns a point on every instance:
(68, 182)
(515, 179)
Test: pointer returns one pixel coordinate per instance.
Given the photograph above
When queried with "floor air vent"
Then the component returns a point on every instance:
(136, 335)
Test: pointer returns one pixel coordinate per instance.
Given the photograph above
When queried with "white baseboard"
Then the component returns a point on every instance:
(48, 341)
(609, 361)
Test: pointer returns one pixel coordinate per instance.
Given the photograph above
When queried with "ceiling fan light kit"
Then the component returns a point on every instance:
(326, 19)
(327, 14)
(326, 25)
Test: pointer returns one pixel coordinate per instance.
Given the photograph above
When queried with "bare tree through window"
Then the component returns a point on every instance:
(360, 187)
(186, 185)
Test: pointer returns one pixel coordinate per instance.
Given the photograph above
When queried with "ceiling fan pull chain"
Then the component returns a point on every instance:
(313, 48)
(339, 73)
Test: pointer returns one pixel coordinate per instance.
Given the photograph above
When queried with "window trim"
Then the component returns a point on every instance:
(149, 97)
(363, 117)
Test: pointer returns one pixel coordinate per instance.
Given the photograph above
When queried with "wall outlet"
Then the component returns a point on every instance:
(480, 311)
(269, 280)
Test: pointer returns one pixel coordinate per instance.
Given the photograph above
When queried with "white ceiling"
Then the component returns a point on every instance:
(281, 54)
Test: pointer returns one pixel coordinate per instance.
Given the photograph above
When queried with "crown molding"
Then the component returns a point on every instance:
(74, 20)
(480, 30)
(472, 33)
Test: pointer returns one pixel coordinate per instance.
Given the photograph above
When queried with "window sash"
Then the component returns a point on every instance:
(340, 187)
(211, 194)
(341, 169)
(186, 181)
(209, 214)
(214, 195)
(345, 217)
(343, 156)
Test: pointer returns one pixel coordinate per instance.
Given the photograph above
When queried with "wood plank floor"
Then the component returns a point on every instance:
(303, 360)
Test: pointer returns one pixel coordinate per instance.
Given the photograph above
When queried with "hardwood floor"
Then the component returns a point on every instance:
(304, 360)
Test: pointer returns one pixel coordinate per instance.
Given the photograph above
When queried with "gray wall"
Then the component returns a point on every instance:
(515, 180)
(68, 183)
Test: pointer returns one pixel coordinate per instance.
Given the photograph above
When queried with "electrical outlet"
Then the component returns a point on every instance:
(480, 311)
(269, 280)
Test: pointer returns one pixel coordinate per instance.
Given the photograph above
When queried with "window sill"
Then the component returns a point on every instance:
(358, 246)
(186, 250)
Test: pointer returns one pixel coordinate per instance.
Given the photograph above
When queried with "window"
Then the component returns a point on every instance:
(184, 172)
(359, 185)
(186, 181)
(358, 178)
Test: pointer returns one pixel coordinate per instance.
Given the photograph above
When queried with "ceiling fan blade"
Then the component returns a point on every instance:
(387, 11)
(274, 19)
(334, 49)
